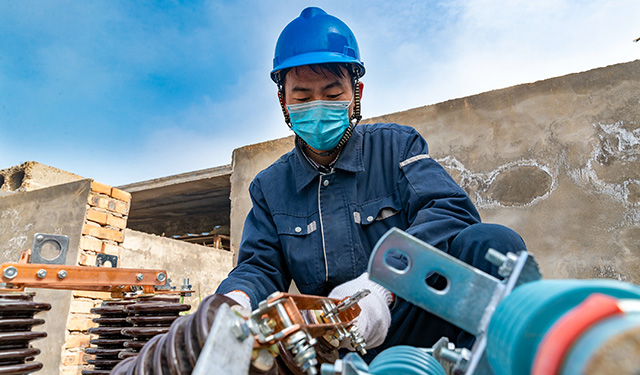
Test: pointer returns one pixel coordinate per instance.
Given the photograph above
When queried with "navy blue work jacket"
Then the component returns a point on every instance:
(319, 229)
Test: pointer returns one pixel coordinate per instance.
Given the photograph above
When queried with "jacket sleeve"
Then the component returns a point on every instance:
(261, 268)
(437, 207)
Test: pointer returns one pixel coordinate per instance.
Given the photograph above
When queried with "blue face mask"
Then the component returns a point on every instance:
(320, 123)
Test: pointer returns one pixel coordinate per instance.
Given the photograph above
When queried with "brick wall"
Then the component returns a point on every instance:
(103, 232)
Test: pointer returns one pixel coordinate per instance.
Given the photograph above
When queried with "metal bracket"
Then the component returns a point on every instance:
(467, 288)
(102, 259)
(228, 346)
(60, 242)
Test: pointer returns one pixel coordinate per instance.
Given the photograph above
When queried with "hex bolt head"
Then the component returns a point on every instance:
(240, 329)
(62, 274)
(161, 277)
(42, 273)
(139, 277)
(10, 272)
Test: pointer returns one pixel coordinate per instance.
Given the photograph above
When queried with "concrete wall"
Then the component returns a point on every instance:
(556, 160)
(206, 267)
(32, 176)
(58, 210)
(246, 163)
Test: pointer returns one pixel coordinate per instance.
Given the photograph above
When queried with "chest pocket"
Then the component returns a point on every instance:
(378, 210)
(302, 248)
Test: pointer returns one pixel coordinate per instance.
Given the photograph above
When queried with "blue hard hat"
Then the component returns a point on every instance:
(316, 37)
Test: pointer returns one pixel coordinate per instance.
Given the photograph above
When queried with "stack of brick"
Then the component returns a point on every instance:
(103, 232)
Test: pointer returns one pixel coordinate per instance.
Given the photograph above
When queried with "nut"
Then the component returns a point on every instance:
(10, 272)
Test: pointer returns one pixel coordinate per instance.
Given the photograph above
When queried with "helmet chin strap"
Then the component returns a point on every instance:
(354, 120)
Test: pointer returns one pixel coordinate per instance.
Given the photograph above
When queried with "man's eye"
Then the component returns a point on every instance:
(301, 99)
(334, 96)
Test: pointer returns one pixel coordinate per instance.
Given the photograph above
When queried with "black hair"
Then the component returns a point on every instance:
(333, 68)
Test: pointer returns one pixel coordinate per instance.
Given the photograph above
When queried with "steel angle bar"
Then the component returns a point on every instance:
(462, 302)
(228, 347)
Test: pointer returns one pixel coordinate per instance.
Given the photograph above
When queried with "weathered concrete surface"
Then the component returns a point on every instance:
(246, 163)
(59, 210)
(31, 176)
(557, 160)
(205, 267)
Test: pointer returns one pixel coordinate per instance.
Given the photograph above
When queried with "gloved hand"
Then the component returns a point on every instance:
(375, 318)
(241, 298)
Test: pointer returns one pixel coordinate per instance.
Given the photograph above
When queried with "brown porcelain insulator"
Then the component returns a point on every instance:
(110, 342)
(16, 321)
(149, 317)
(176, 352)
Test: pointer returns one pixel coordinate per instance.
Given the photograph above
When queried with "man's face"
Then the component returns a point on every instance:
(302, 85)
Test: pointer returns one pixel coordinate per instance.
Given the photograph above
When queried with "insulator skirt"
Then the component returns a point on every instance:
(16, 320)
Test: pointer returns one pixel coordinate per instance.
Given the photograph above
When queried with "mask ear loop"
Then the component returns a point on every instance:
(287, 119)
(354, 120)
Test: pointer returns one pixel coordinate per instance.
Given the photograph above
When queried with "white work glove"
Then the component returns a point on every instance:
(375, 318)
(241, 298)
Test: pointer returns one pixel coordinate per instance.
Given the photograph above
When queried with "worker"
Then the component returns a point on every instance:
(319, 210)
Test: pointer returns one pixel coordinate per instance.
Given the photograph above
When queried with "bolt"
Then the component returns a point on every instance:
(42, 273)
(62, 274)
(139, 277)
(161, 277)
(495, 257)
(39, 237)
(240, 329)
(10, 272)
(449, 355)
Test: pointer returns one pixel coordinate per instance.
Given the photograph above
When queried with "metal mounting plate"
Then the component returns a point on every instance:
(60, 242)
(457, 303)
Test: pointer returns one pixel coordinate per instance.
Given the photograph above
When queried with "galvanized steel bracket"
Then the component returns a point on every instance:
(226, 350)
(60, 242)
(460, 300)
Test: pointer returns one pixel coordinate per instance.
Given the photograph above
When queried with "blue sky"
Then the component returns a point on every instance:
(124, 91)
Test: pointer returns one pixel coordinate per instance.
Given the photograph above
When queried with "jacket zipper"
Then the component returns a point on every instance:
(324, 250)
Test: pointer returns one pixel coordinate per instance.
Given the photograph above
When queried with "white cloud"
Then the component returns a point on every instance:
(481, 45)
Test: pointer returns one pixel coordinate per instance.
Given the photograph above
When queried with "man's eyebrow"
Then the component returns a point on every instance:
(298, 88)
(333, 84)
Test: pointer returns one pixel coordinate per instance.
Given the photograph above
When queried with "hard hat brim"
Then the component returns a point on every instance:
(316, 58)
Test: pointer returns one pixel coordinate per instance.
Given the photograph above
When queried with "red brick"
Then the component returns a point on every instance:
(115, 221)
(87, 259)
(81, 322)
(103, 233)
(121, 194)
(109, 204)
(94, 295)
(81, 306)
(73, 358)
(97, 216)
(100, 188)
(111, 249)
(90, 243)
(77, 341)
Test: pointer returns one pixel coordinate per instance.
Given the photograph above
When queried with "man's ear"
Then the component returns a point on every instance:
(361, 86)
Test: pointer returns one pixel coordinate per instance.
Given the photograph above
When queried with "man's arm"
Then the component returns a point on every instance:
(261, 268)
(437, 207)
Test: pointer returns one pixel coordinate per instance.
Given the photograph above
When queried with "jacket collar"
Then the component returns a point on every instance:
(350, 160)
